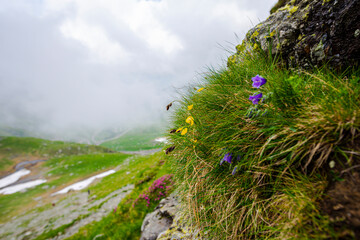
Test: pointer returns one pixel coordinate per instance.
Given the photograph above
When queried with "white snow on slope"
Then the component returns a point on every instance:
(12, 178)
(161, 139)
(21, 186)
(83, 184)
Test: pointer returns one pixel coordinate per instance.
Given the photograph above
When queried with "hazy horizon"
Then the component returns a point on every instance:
(73, 65)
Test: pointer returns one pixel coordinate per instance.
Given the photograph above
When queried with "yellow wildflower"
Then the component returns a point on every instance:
(184, 131)
(179, 130)
(190, 107)
(200, 89)
(190, 120)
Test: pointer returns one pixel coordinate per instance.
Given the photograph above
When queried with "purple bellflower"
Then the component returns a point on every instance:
(227, 157)
(256, 98)
(234, 171)
(258, 81)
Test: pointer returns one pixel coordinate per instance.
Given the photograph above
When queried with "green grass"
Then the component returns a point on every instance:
(5, 163)
(126, 223)
(55, 232)
(40, 147)
(282, 150)
(75, 162)
(135, 140)
(65, 170)
(59, 173)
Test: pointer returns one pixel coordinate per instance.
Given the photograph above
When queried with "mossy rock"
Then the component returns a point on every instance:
(308, 33)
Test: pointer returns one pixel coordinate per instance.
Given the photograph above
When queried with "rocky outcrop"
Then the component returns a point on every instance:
(160, 220)
(309, 33)
(168, 222)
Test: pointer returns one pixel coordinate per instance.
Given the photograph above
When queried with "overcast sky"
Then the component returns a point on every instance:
(102, 63)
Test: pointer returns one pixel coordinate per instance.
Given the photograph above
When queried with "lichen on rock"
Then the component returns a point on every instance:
(307, 33)
(168, 221)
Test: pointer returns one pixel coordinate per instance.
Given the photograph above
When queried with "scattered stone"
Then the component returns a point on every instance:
(38, 198)
(63, 212)
(99, 236)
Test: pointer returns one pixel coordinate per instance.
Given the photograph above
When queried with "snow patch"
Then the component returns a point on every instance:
(21, 186)
(12, 178)
(83, 184)
(161, 139)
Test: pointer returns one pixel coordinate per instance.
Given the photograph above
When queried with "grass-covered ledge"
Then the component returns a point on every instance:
(256, 160)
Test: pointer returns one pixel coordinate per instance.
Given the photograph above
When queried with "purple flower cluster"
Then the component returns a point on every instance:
(258, 81)
(227, 158)
(159, 189)
(256, 98)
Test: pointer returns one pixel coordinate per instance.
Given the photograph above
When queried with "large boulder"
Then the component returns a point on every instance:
(307, 33)
(168, 222)
(160, 219)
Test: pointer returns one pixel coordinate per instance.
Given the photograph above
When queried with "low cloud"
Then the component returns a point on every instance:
(111, 63)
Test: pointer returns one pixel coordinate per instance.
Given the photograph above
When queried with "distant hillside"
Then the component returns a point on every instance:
(136, 139)
(39, 212)
(12, 149)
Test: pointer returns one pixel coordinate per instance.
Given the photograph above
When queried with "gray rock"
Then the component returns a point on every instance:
(160, 220)
(99, 236)
(169, 222)
(309, 33)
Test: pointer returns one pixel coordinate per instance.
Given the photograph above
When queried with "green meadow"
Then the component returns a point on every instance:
(136, 140)
(68, 163)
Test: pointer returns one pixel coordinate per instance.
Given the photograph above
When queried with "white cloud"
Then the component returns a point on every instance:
(232, 12)
(141, 19)
(101, 47)
(139, 16)
(99, 63)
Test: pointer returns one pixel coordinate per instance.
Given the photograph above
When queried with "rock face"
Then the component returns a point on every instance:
(167, 222)
(310, 33)
(160, 220)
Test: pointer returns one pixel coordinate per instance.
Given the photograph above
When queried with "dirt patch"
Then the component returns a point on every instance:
(20, 159)
(342, 204)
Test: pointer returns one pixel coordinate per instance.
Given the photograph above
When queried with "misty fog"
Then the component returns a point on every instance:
(77, 66)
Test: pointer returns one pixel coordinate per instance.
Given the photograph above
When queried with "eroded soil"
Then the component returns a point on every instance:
(342, 204)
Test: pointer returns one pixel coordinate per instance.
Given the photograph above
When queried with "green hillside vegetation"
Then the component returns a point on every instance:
(13, 148)
(135, 140)
(73, 163)
(261, 171)
(76, 162)
(125, 222)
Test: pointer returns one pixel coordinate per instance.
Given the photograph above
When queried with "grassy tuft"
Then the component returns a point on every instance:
(281, 148)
